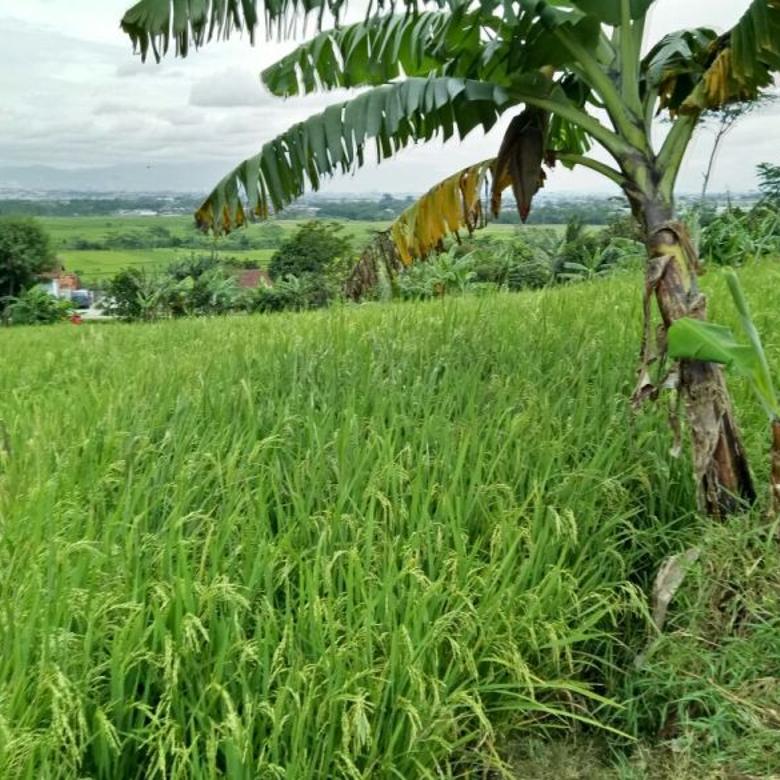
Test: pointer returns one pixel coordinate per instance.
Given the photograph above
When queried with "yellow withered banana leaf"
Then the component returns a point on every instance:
(453, 204)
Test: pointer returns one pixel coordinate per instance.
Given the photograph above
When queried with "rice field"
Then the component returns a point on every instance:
(94, 266)
(382, 541)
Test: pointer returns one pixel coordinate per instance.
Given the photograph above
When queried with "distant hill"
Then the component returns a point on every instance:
(168, 177)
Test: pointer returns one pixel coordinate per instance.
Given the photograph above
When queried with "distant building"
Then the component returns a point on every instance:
(253, 278)
(68, 283)
(63, 285)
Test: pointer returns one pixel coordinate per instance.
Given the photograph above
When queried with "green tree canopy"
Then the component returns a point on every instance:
(313, 249)
(25, 253)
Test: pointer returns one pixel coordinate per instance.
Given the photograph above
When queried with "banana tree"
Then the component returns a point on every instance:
(693, 339)
(575, 74)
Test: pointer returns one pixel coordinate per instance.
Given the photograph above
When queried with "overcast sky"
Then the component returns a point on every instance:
(74, 95)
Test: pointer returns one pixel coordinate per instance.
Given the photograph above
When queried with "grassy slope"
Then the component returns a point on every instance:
(348, 543)
(96, 265)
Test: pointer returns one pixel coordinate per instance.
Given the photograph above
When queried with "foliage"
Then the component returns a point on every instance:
(215, 291)
(769, 182)
(446, 274)
(194, 266)
(448, 207)
(512, 264)
(292, 293)
(25, 253)
(734, 237)
(189, 288)
(415, 511)
(582, 260)
(448, 70)
(709, 685)
(531, 260)
(318, 248)
(693, 339)
(123, 294)
(619, 225)
(36, 307)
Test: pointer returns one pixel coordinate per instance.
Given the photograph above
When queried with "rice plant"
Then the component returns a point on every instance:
(383, 541)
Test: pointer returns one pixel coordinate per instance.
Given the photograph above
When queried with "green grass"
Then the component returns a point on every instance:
(63, 229)
(96, 265)
(99, 265)
(385, 541)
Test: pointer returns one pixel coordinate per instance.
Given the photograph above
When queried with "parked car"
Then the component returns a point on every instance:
(81, 299)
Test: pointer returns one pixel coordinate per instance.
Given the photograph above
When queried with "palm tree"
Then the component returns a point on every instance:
(574, 74)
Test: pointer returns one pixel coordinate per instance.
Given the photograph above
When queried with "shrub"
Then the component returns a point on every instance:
(195, 266)
(316, 248)
(531, 273)
(735, 236)
(124, 294)
(36, 307)
(447, 273)
(292, 293)
(215, 292)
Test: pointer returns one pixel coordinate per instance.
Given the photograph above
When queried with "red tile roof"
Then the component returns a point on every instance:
(252, 278)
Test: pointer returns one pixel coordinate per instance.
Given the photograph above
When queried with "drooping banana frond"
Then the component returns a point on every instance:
(449, 206)
(375, 51)
(151, 24)
(380, 257)
(744, 59)
(691, 71)
(674, 66)
(519, 161)
(392, 115)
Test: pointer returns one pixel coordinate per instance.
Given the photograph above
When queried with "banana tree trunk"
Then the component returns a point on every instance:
(720, 464)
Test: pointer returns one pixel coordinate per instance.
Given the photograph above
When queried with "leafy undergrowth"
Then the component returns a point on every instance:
(383, 541)
(706, 701)
(710, 686)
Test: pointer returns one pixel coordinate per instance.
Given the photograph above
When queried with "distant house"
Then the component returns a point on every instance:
(59, 284)
(253, 278)
(68, 283)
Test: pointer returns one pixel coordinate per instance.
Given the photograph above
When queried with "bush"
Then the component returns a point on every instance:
(316, 248)
(215, 292)
(195, 266)
(25, 253)
(292, 293)
(445, 274)
(709, 681)
(36, 307)
(197, 286)
(734, 236)
(124, 294)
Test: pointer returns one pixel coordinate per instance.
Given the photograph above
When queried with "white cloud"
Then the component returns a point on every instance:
(74, 95)
(229, 89)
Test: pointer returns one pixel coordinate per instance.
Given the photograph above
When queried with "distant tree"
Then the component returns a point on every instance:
(725, 119)
(318, 248)
(25, 253)
(769, 182)
(194, 266)
(124, 294)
